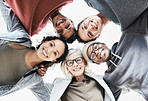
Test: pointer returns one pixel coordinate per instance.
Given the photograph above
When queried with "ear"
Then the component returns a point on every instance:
(71, 21)
(99, 35)
(85, 63)
(103, 43)
(98, 63)
(85, 18)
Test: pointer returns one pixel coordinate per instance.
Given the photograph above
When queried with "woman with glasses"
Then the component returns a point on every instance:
(80, 83)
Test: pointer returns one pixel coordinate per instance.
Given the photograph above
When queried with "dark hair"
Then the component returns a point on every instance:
(72, 38)
(78, 37)
(62, 57)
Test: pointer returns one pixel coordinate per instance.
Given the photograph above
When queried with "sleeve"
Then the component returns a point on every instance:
(16, 31)
(49, 87)
(115, 90)
(40, 91)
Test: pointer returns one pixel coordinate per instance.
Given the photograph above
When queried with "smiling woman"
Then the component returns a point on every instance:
(20, 61)
(80, 83)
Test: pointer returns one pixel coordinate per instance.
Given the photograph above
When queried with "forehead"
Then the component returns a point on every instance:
(89, 50)
(83, 34)
(59, 46)
(73, 55)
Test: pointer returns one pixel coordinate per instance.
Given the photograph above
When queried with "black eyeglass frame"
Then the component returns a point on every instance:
(92, 52)
(75, 61)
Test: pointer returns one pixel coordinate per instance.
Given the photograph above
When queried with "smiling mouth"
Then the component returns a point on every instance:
(101, 53)
(60, 21)
(76, 69)
(45, 53)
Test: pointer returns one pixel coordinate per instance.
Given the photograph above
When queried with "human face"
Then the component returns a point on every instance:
(77, 69)
(51, 50)
(98, 52)
(90, 28)
(63, 26)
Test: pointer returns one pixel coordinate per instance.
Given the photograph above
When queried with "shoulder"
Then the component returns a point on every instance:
(98, 78)
(61, 80)
(16, 45)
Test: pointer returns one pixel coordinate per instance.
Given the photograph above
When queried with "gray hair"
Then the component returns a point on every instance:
(67, 74)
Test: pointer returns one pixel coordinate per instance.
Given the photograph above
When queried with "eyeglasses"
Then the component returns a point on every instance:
(93, 55)
(71, 62)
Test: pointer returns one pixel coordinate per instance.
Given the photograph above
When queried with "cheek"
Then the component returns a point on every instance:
(95, 33)
(39, 52)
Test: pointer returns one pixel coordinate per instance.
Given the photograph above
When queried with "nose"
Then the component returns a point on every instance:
(50, 50)
(91, 26)
(61, 25)
(75, 63)
(96, 52)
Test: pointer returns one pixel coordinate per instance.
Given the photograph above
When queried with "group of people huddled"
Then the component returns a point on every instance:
(22, 65)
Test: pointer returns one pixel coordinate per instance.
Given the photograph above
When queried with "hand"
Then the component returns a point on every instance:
(42, 70)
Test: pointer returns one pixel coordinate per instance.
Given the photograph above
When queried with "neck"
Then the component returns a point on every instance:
(80, 78)
(103, 18)
(32, 59)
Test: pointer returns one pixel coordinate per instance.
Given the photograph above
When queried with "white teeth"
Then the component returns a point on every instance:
(76, 69)
(59, 21)
(101, 53)
(100, 50)
(44, 53)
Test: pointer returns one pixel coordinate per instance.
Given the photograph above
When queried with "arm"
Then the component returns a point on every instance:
(40, 91)
(16, 31)
(115, 90)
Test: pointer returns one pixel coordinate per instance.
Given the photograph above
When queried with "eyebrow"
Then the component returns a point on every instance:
(54, 45)
(53, 42)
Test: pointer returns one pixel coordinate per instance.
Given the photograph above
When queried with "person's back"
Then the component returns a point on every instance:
(34, 14)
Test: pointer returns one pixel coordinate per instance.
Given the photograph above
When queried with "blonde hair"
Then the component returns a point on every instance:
(67, 74)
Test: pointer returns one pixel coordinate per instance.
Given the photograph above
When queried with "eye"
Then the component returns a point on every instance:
(95, 46)
(55, 53)
(85, 27)
(69, 63)
(51, 45)
(79, 60)
(92, 56)
(68, 27)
